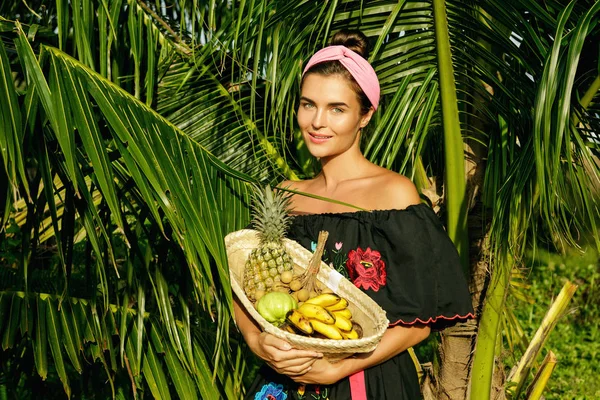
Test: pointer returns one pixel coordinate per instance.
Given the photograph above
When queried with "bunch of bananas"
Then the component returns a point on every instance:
(326, 316)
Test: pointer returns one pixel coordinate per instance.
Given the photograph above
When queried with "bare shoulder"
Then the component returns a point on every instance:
(299, 186)
(293, 185)
(398, 192)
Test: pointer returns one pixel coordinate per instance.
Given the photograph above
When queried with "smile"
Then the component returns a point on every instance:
(318, 138)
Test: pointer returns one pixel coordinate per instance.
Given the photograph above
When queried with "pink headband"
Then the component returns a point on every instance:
(359, 68)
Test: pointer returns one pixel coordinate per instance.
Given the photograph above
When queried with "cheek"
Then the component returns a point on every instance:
(303, 118)
(344, 125)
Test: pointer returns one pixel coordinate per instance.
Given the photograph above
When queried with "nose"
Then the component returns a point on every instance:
(319, 119)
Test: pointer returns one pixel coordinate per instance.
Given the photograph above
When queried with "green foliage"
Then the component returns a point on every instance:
(576, 338)
(130, 129)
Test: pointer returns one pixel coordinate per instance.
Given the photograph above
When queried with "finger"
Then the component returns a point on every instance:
(301, 353)
(295, 364)
(302, 377)
(285, 362)
(292, 370)
(295, 371)
(299, 374)
(270, 340)
(293, 356)
(300, 370)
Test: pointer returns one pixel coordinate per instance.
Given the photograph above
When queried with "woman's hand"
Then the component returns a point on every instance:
(278, 353)
(282, 357)
(395, 340)
(322, 373)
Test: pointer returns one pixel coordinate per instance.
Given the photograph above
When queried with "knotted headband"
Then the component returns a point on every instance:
(359, 68)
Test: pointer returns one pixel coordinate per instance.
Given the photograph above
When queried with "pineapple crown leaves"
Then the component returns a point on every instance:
(270, 213)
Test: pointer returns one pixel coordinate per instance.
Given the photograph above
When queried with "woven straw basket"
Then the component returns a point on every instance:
(364, 310)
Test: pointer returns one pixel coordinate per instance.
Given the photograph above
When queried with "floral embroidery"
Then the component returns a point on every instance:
(316, 392)
(271, 391)
(335, 258)
(320, 394)
(338, 259)
(366, 268)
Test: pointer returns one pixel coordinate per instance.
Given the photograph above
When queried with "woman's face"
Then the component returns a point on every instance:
(329, 115)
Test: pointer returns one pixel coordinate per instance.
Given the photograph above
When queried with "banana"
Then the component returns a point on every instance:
(299, 322)
(313, 311)
(350, 335)
(343, 313)
(356, 326)
(325, 300)
(330, 331)
(340, 305)
(343, 324)
(287, 326)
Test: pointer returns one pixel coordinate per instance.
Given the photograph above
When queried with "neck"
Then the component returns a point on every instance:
(342, 167)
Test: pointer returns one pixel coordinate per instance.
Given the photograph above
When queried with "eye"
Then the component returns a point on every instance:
(337, 110)
(306, 105)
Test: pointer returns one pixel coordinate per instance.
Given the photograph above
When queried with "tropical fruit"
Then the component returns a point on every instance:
(269, 269)
(267, 262)
(299, 322)
(274, 306)
(328, 317)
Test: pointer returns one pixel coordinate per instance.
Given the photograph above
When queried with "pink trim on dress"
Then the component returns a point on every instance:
(432, 319)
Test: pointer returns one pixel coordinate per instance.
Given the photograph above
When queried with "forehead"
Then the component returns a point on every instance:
(328, 89)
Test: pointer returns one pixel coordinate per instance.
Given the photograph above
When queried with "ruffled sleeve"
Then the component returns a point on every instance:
(403, 259)
(425, 281)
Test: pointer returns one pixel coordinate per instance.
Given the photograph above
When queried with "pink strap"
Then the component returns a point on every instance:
(358, 389)
(359, 68)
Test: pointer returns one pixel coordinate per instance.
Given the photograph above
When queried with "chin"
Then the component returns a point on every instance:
(317, 151)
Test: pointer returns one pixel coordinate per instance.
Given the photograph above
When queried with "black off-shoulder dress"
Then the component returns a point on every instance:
(402, 259)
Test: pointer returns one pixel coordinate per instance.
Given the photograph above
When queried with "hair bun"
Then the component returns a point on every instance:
(355, 40)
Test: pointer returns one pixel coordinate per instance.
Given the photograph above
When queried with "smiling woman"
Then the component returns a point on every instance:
(329, 115)
(397, 252)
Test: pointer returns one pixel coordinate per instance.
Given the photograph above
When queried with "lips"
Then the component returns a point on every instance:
(316, 138)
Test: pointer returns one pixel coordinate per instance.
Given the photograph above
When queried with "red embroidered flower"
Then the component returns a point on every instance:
(366, 268)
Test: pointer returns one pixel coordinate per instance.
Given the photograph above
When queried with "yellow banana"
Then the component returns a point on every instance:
(350, 335)
(343, 313)
(344, 324)
(330, 331)
(325, 300)
(319, 313)
(340, 305)
(299, 322)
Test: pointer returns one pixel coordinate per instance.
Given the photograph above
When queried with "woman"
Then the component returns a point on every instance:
(397, 253)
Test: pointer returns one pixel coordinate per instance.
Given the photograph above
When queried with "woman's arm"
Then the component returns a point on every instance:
(278, 353)
(395, 340)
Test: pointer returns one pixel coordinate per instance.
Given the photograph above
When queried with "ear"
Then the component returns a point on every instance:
(364, 120)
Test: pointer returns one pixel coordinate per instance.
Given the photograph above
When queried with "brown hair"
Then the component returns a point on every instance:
(356, 41)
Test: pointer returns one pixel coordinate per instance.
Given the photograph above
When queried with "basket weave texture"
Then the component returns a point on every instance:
(364, 310)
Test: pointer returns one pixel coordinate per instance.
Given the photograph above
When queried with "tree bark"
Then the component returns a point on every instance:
(455, 358)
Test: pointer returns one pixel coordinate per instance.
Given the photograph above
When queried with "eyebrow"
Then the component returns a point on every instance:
(337, 104)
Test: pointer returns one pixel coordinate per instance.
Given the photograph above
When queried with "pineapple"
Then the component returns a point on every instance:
(266, 263)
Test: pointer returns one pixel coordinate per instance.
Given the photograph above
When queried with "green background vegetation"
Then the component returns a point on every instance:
(576, 338)
(131, 132)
